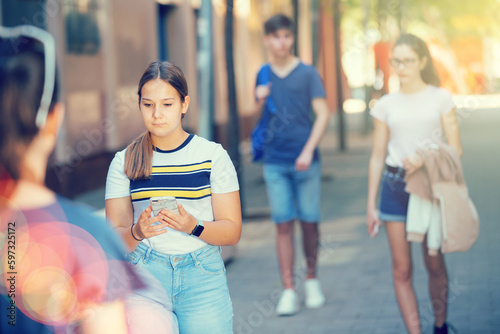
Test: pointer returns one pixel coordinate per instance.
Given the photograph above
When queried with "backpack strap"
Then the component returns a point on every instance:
(263, 78)
(264, 74)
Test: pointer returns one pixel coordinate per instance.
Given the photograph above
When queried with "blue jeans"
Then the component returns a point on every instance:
(393, 198)
(187, 290)
(293, 194)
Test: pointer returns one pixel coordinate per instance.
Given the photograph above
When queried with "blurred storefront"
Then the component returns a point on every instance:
(104, 47)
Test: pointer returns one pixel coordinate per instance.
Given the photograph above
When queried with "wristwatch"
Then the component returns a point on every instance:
(198, 228)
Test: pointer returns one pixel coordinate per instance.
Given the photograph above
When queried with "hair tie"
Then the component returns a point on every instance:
(132, 232)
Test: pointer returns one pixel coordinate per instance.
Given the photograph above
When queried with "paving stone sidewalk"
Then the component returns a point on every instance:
(355, 270)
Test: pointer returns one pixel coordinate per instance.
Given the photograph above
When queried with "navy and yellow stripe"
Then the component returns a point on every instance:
(185, 194)
(181, 181)
(207, 166)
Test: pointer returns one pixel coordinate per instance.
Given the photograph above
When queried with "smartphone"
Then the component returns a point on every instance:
(163, 202)
(374, 231)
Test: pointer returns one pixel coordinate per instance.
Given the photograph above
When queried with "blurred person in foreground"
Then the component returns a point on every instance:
(63, 269)
(405, 122)
(179, 251)
(292, 167)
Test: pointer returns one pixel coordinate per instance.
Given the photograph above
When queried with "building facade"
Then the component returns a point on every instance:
(103, 47)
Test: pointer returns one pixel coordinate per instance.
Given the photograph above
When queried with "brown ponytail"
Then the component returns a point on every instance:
(139, 155)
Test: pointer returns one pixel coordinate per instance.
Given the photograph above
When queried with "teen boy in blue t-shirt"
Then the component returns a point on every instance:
(292, 168)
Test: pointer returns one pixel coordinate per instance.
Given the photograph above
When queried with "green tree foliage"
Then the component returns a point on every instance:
(448, 17)
(456, 17)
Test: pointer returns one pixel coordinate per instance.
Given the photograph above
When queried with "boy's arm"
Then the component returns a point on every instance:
(320, 108)
(261, 94)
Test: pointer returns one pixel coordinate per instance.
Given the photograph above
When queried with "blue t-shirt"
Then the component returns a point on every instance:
(62, 258)
(291, 125)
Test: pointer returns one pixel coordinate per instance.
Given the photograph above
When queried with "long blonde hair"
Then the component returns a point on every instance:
(139, 154)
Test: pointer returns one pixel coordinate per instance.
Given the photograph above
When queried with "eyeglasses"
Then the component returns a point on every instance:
(405, 62)
(47, 41)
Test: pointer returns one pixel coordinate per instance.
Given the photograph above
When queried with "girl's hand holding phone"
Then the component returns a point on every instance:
(173, 214)
(183, 222)
(148, 226)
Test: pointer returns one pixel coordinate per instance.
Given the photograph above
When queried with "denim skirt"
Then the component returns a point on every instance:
(393, 197)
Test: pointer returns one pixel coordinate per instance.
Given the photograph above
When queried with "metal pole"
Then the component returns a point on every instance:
(368, 89)
(206, 72)
(315, 37)
(233, 122)
(338, 68)
(295, 4)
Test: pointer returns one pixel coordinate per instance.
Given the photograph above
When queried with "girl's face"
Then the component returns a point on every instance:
(280, 43)
(407, 64)
(162, 108)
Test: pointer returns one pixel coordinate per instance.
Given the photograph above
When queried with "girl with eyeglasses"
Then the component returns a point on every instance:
(63, 269)
(178, 250)
(418, 114)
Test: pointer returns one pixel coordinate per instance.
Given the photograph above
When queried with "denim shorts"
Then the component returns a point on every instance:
(293, 194)
(393, 198)
(186, 293)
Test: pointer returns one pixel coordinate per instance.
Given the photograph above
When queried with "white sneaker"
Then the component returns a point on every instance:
(314, 295)
(288, 303)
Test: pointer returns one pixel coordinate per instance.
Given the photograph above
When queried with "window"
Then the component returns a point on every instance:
(164, 12)
(82, 30)
(17, 12)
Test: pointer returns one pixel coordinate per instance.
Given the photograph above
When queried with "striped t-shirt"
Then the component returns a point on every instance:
(191, 173)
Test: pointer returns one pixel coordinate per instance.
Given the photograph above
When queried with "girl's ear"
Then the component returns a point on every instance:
(185, 105)
(54, 120)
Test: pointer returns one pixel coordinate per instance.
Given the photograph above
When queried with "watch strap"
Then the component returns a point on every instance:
(198, 228)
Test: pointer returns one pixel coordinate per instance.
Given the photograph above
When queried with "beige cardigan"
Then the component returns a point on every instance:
(441, 180)
(440, 164)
